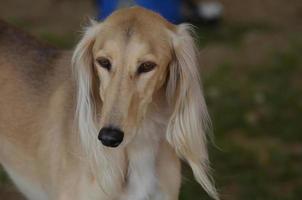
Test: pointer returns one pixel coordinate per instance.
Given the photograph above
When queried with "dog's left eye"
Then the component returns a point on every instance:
(105, 63)
(146, 67)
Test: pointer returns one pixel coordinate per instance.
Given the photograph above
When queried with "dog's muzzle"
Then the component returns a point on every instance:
(111, 137)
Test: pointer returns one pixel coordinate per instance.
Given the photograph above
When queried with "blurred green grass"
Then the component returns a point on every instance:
(229, 34)
(4, 180)
(256, 112)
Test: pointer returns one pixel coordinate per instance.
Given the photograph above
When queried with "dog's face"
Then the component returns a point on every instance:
(122, 66)
(130, 60)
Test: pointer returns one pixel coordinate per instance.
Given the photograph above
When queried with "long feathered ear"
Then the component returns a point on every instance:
(83, 72)
(189, 121)
(110, 177)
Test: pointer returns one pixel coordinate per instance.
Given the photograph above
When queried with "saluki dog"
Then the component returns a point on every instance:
(109, 121)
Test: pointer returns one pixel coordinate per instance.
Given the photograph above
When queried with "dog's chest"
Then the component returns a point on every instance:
(142, 176)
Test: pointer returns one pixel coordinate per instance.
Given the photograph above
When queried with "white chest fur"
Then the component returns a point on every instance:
(142, 176)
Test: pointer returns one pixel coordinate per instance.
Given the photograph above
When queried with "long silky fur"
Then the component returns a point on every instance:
(107, 166)
(189, 122)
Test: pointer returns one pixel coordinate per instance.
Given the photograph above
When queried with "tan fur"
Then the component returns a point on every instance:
(49, 120)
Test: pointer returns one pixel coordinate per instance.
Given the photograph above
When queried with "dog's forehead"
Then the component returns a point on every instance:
(135, 27)
(138, 21)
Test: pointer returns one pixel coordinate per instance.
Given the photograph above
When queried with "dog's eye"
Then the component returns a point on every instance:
(146, 67)
(105, 63)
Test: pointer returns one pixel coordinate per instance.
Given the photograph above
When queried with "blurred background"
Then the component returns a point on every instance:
(251, 57)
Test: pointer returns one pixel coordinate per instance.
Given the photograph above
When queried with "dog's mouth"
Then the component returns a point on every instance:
(111, 136)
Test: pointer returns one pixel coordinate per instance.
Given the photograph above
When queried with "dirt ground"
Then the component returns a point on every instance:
(251, 33)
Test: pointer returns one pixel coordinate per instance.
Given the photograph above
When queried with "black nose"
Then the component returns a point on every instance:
(111, 137)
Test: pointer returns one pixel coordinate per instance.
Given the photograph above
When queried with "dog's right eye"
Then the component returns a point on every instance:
(146, 67)
(105, 63)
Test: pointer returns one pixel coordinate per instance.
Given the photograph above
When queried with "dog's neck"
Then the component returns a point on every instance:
(142, 153)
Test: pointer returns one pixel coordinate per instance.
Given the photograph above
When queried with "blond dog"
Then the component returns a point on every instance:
(113, 124)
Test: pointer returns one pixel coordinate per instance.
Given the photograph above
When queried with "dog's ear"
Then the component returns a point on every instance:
(82, 59)
(82, 62)
(187, 126)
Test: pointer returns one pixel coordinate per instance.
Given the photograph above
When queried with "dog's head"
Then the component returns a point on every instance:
(122, 64)
(126, 62)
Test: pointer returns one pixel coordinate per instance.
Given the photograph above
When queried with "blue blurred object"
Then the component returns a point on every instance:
(170, 9)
